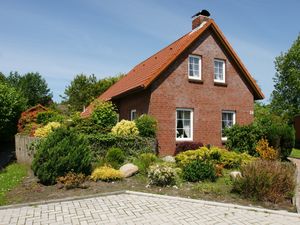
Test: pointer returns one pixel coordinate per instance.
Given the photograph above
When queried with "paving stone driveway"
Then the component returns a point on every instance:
(138, 208)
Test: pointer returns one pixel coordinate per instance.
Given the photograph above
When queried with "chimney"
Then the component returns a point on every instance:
(199, 18)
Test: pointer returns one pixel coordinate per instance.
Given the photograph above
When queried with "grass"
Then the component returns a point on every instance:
(295, 153)
(222, 186)
(10, 177)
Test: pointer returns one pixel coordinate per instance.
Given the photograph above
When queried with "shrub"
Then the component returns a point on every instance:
(187, 145)
(46, 130)
(198, 171)
(115, 157)
(162, 175)
(49, 116)
(71, 180)
(282, 138)
(266, 180)
(125, 128)
(104, 115)
(144, 161)
(131, 145)
(243, 138)
(147, 125)
(106, 173)
(265, 151)
(215, 155)
(61, 152)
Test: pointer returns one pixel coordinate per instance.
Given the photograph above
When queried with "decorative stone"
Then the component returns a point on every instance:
(129, 169)
(235, 174)
(169, 158)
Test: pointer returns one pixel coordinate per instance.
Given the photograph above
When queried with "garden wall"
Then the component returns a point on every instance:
(23, 152)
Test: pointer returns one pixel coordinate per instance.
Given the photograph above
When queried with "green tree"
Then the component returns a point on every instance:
(84, 89)
(32, 86)
(286, 95)
(12, 104)
(2, 78)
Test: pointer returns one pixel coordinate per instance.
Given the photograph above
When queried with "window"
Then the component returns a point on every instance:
(219, 75)
(228, 120)
(194, 69)
(184, 124)
(133, 114)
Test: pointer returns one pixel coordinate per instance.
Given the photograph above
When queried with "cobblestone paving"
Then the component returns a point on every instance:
(137, 208)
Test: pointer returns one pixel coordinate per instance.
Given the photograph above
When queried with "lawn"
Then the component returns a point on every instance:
(10, 177)
(295, 153)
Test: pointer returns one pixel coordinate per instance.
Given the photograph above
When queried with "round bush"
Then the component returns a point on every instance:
(115, 157)
(147, 125)
(61, 152)
(125, 128)
(162, 175)
(199, 171)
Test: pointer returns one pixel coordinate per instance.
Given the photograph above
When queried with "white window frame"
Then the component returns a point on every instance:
(132, 112)
(200, 62)
(224, 139)
(191, 121)
(224, 71)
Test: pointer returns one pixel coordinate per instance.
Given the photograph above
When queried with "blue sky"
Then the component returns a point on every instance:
(62, 38)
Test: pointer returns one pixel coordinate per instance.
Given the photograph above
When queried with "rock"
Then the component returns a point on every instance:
(129, 169)
(169, 158)
(235, 174)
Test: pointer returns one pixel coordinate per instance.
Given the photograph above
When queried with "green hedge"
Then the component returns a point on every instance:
(131, 145)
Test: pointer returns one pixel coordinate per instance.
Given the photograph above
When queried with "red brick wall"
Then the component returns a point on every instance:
(173, 90)
(138, 101)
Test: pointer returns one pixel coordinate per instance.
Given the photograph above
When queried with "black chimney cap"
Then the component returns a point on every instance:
(204, 12)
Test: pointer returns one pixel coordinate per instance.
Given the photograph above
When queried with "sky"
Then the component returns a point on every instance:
(62, 38)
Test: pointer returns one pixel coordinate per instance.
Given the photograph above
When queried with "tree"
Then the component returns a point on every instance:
(12, 104)
(32, 86)
(2, 78)
(286, 95)
(84, 89)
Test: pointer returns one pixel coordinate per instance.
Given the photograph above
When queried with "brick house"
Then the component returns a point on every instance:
(194, 87)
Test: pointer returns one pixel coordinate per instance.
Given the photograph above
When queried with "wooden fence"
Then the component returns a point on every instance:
(24, 148)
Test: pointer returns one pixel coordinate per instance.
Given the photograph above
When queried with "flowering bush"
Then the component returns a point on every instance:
(106, 173)
(162, 175)
(126, 128)
(46, 130)
(265, 151)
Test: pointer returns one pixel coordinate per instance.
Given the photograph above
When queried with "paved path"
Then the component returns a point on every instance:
(138, 208)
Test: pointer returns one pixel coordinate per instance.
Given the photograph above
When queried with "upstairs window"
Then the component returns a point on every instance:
(228, 120)
(184, 124)
(194, 69)
(133, 114)
(219, 73)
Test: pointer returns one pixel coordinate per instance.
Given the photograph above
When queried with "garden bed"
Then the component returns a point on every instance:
(31, 191)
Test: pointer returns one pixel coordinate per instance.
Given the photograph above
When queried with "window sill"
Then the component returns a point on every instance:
(221, 84)
(198, 81)
(183, 139)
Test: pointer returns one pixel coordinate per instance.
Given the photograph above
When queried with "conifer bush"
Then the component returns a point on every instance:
(61, 152)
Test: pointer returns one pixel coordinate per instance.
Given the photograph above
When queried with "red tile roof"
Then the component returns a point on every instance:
(142, 75)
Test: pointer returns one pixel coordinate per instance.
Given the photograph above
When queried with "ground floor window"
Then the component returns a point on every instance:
(133, 114)
(184, 124)
(228, 120)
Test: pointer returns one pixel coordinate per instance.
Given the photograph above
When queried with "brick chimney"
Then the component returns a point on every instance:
(199, 18)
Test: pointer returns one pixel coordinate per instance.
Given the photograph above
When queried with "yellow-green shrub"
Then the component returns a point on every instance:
(46, 130)
(228, 159)
(106, 173)
(125, 127)
(265, 151)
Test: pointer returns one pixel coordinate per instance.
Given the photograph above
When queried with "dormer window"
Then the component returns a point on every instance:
(194, 69)
(219, 74)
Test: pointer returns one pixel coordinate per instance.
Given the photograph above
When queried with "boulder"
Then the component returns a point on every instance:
(129, 169)
(235, 174)
(169, 158)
